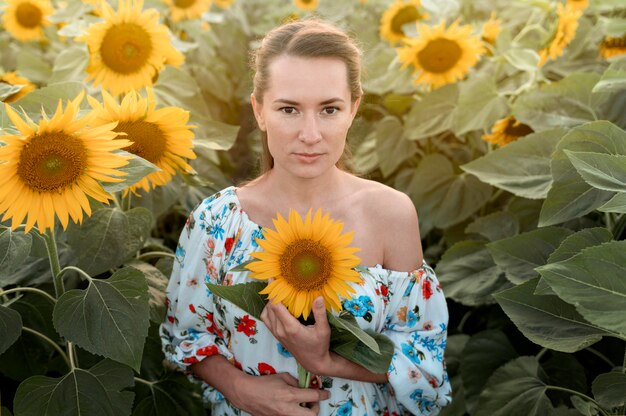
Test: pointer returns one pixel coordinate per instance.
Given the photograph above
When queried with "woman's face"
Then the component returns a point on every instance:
(306, 113)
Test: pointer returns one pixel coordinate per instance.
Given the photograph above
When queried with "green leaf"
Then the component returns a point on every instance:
(391, 145)
(570, 196)
(615, 204)
(515, 389)
(547, 320)
(468, 273)
(242, 266)
(213, 134)
(609, 389)
(33, 66)
(47, 98)
(108, 237)
(169, 397)
(157, 285)
(136, 169)
(519, 255)
(7, 90)
(521, 167)
(588, 280)
(110, 317)
(602, 171)
(246, 296)
(571, 246)
(10, 327)
(447, 197)
(352, 349)
(495, 226)
(70, 64)
(613, 79)
(433, 113)
(345, 321)
(484, 353)
(523, 59)
(564, 370)
(584, 407)
(14, 249)
(80, 392)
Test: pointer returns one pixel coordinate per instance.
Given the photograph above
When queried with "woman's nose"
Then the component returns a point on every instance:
(310, 129)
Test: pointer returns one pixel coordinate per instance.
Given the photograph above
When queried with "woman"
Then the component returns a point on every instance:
(306, 94)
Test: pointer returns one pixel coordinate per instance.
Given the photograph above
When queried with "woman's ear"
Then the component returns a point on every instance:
(257, 109)
(355, 107)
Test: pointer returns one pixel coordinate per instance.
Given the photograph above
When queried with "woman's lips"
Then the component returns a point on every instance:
(307, 157)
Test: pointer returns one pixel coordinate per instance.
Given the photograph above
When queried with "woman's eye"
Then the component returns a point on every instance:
(330, 110)
(288, 110)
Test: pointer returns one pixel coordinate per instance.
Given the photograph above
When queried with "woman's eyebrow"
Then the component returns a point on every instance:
(291, 102)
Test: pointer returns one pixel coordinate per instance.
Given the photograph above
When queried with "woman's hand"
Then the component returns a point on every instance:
(309, 344)
(276, 394)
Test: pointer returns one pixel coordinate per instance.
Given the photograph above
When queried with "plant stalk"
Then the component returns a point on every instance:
(28, 289)
(55, 265)
(126, 202)
(152, 254)
(52, 343)
(582, 395)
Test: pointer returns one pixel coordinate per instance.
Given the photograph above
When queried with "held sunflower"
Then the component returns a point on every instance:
(12, 78)
(441, 56)
(613, 46)
(565, 31)
(308, 5)
(25, 19)
(129, 48)
(400, 13)
(507, 130)
(306, 259)
(187, 9)
(161, 136)
(51, 167)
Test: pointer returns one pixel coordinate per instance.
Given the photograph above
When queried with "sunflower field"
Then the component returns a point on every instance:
(503, 120)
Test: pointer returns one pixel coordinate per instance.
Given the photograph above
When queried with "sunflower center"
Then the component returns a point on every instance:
(149, 140)
(615, 42)
(52, 161)
(517, 129)
(405, 15)
(439, 55)
(28, 15)
(184, 4)
(306, 264)
(126, 48)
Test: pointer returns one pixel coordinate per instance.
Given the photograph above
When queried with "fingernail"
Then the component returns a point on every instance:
(319, 302)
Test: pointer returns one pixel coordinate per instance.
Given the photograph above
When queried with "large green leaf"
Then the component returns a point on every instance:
(110, 317)
(484, 353)
(591, 280)
(7, 90)
(433, 113)
(564, 370)
(615, 204)
(391, 145)
(70, 64)
(570, 196)
(547, 320)
(168, 397)
(93, 392)
(448, 198)
(214, 135)
(468, 273)
(519, 255)
(136, 169)
(10, 327)
(600, 170)
(157, 285)
(613, 79)
(515, 389)
(245, 296)
(47, 98)
(495, 226)
(571, 246)
(109, 237)
(609, 389)
(521, 167)
(351, 348)
(14, 249)
(32, 65)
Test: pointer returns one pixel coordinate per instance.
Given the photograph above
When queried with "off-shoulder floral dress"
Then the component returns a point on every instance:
(408, 307)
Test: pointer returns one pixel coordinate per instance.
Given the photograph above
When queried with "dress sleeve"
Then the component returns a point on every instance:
(192, 329)
(417, 324)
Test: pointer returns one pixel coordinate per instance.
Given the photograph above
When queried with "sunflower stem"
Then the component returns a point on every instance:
(579, 394)
(55, 265)
(52, 344)
(76, 269)
(152, 254)
(126, 202)
(28, 289)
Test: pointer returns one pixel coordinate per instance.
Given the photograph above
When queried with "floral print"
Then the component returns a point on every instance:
(409, 308)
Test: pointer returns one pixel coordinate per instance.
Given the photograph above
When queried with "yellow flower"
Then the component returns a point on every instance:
(308, 5)
(578, 4)
(129, 48)
(161, 136)
(49, 169)
(224, 4)
(507, 130)
(25, 19)
(306, 259)
(613, 46)
(441, 56)
(12, 78)
(187, 9)
(491, 29)
(397, 15)
(565, 32)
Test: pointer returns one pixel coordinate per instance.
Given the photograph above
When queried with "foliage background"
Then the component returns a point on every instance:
(527, 238)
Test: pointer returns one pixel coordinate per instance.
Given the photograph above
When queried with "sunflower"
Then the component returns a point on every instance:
(12, 78)
(397, 15)
(441, 56)
(491, 29)
(306, 259)
(49, 169)
(507, 130)
(224, 4)
(565, 32)
(129, 48)
(25, 19)
(308, 5)
(578, 4)
(187, 9)
(161, 136)
(613, 46)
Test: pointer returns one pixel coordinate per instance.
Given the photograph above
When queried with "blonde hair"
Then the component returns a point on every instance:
(311, 39)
